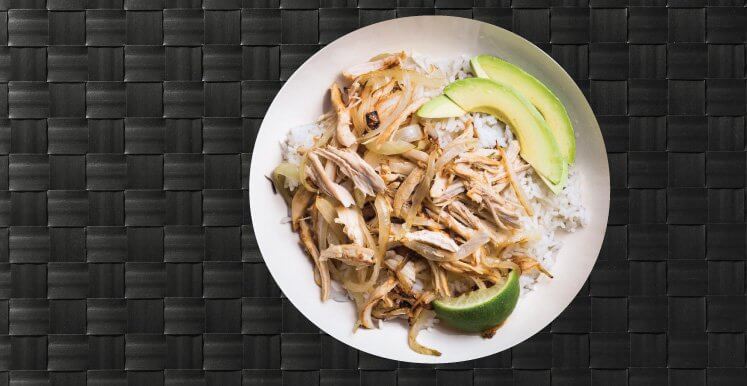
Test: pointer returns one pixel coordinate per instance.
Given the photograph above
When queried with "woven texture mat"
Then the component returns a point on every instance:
(126, 248)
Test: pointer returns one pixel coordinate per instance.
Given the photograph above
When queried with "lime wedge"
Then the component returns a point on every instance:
(480, 310)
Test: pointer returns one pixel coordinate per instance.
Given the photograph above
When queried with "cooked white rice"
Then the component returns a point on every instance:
(553, 213)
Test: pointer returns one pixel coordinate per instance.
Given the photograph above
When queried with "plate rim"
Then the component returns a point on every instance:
(563, 77)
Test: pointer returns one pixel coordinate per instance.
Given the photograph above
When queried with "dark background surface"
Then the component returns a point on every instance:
(126, 248)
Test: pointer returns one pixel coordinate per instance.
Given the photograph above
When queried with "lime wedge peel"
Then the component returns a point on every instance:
(480, 310)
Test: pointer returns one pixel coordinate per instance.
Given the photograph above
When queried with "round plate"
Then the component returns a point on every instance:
(302, 100)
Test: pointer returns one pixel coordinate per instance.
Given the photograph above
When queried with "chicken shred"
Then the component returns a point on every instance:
(349, 219)
(353, 166)
(350, 254)
(343, 134)
(326, 184)
(436, 239)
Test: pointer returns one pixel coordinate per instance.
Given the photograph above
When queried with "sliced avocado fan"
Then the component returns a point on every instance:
(552, 110)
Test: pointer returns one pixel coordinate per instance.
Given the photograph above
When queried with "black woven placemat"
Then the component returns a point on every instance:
(126, 248)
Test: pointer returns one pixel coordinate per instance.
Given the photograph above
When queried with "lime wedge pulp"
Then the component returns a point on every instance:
(481, 309)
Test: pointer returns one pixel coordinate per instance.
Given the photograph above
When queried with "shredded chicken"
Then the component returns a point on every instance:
(351, 225)
(449, 193)
(321, 265)
(501, 213)
(395, 217)
(438, 187)
(405, 270)
(527, 263)
(406, 189)
(415, 326)
(463, 214)
(400, 166)
(350, 254)
(343, 134)
(452, 223)
(352, 165)
(416, 155)
(389, 130)
(436, 239)
(301, 200)
(326, 184)
(376, 295)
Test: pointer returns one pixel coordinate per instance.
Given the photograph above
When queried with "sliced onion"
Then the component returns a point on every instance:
(385, 105)
(328, 213)
(416, 155)
(302, 174)
(438, 279)
(359, 197)
(364, 285)
(472, 245)
(370, 241)
(396, 112)
(322, 230)
(400, 166)
(359, 114)
(514, 183)
(390, 147)
(322, 141)
(411, 182)
(320, 265)
(326, 209)
(287, 169)
(527, 263)
(376, 295)
(399, 119)
(425, 222)
(383, 214)
(280, 175)
(420, 323)
(422, 190)
(380, 56)
(378, 82)
(503, 264)
(399, 74)
(409, 133)
(373, 158)
(299, 203)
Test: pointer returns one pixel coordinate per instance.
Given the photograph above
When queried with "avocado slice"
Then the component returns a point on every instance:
(440, 107)
(557, 188)
(486, 66)
(538, 145)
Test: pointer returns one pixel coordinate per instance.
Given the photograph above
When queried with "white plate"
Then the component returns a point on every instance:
(301, 100)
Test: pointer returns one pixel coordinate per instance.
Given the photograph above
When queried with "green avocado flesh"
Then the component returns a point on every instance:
(553, 111)
(480, 309)
(557, 188)
(440, 107)
(538, 145)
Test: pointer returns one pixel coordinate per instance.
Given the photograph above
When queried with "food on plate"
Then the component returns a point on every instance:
(429, 194)
(477, 311)
(538, 145)
(440, 107)
(552, 110)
